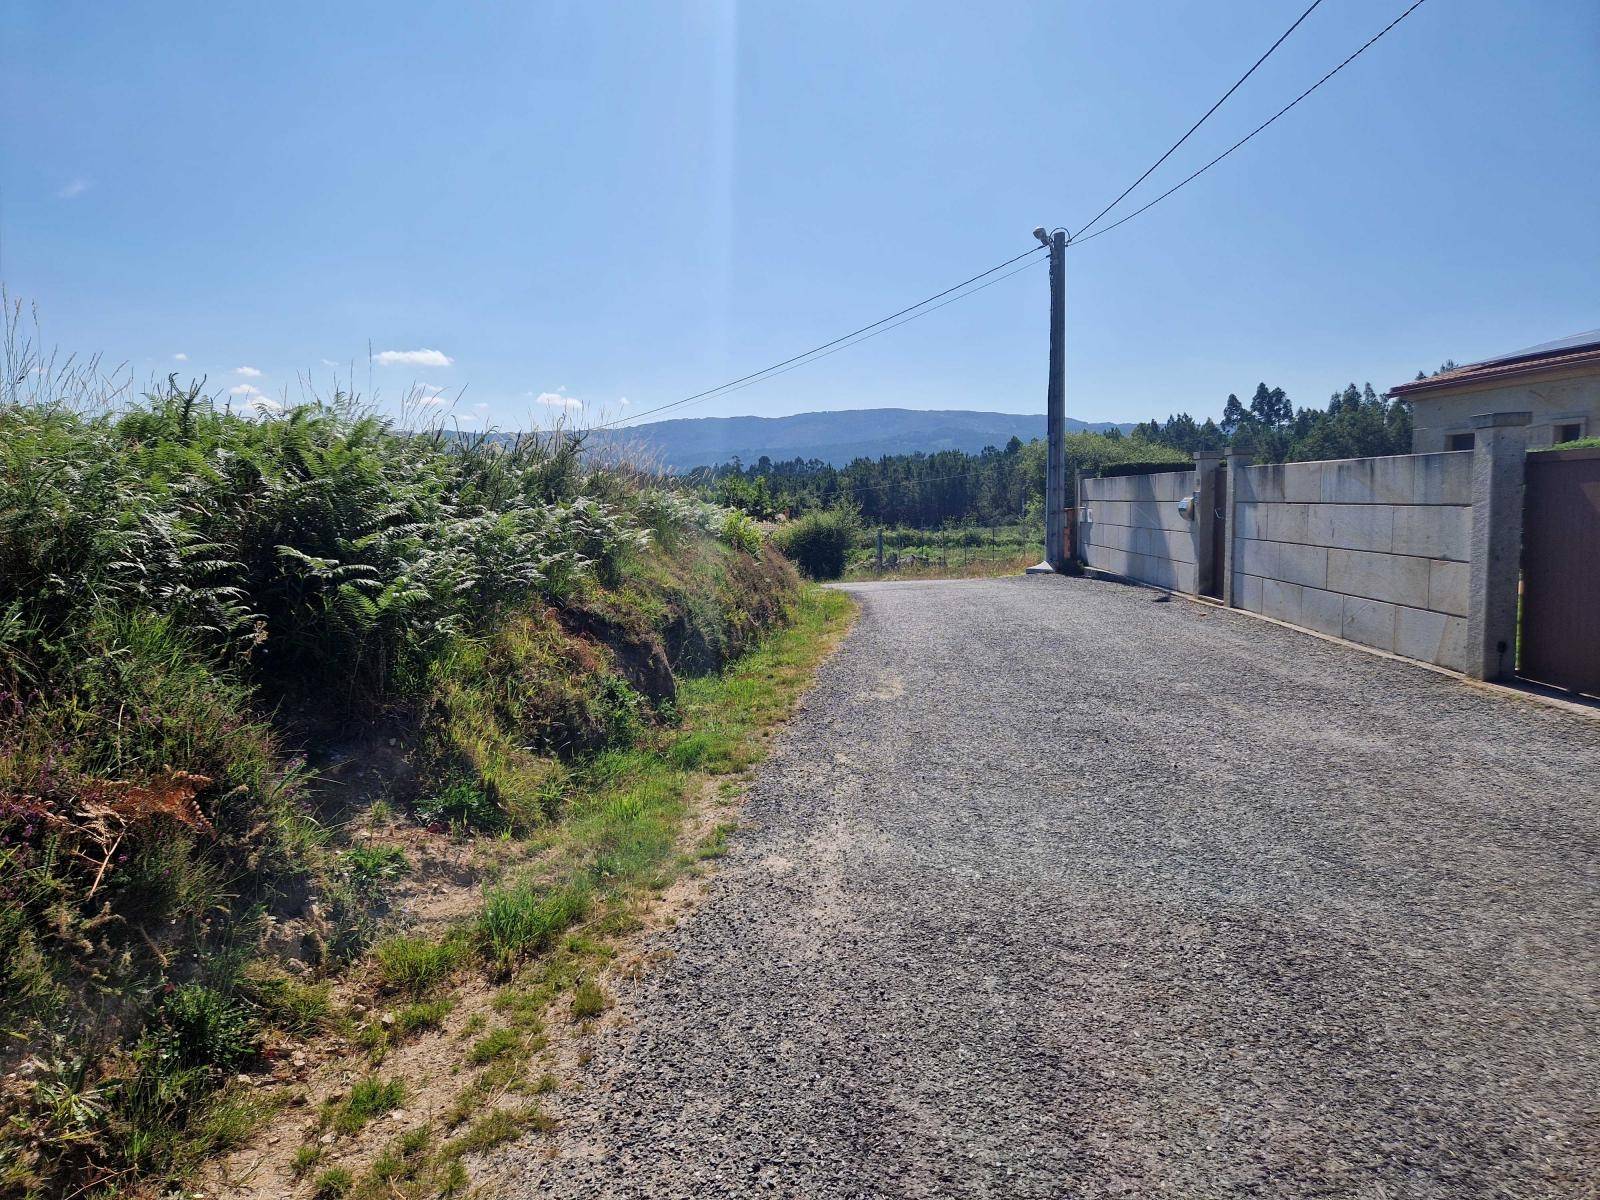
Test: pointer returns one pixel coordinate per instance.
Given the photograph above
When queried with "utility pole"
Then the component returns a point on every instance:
(1055, 484)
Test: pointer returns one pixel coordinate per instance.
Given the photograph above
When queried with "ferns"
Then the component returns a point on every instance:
(325, 551)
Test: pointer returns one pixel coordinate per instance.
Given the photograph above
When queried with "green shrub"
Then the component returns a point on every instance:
(819, 542)
(741, 532)
(1585, 443)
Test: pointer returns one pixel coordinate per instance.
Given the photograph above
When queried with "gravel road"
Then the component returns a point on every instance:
(1057, 889)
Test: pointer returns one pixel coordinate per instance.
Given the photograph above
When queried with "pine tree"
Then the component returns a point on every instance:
(1234, 414)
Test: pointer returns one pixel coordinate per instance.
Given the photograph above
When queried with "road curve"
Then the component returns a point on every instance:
(1054, 888)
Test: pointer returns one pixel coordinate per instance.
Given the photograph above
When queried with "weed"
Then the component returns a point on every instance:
(169, 571)
(413, 1142)
(226, 1123)
(369, 867)
(522, 920)
(452, 1178)
(424, 1014)
(715, 844)
(202, 1027)
(459, 802)
(495, 1045)
(493, 1129)
(305, 1157)
(370, 1097)
(415, 966)
(286, 1003)
(333, 1184)
(588, 1001)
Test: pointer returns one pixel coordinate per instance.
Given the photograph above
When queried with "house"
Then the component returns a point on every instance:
(1558, 382)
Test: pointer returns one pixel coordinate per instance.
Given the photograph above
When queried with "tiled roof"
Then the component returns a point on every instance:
(1581, 350)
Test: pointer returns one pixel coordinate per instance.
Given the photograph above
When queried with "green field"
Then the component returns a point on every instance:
(967, 551)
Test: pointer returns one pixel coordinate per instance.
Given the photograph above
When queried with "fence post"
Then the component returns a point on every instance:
(1205, 519)
(1499, 464)
(1237, 461)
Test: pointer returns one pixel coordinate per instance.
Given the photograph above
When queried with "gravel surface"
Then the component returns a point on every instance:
(1055, 888)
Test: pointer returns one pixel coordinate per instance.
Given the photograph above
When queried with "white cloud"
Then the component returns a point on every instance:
(247, 372)
(73, 190)
(254, 399)
(557, 400)
(328, 362)
(181, 357)
(413, 358)
(624, 401)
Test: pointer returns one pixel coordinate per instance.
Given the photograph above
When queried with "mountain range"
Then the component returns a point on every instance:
(837, 437)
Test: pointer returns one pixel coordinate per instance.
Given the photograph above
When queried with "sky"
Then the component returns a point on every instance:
(587, 209)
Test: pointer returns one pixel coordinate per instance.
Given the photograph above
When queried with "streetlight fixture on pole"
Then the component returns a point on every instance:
(1055, 483)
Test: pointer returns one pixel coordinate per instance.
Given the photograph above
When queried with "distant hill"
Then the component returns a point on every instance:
(833, 437)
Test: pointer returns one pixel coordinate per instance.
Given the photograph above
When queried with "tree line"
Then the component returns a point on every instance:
(1002, 485)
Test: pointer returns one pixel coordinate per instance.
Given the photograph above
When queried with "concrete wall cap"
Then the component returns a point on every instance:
(1496, 420)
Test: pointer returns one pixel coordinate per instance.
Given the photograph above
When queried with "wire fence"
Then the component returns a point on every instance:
(967, 551)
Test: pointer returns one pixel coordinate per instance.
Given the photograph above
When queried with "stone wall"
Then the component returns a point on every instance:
(1374, 550)
(1130, 526)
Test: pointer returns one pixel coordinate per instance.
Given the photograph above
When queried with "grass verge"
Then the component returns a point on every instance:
(634, 820)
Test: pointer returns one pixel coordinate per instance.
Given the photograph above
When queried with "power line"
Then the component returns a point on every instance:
(773, 373)
(955, 292)
(774, 369)
(1258, 128)
(1281, 39)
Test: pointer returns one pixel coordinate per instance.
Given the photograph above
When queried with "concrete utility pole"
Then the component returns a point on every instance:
(1055, 484)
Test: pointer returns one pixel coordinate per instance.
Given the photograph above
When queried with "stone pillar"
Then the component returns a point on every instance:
(1498, 466)
(1205, 518)
(1237, 461)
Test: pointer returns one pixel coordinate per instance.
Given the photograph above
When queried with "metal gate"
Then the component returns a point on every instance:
(1560, 636)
